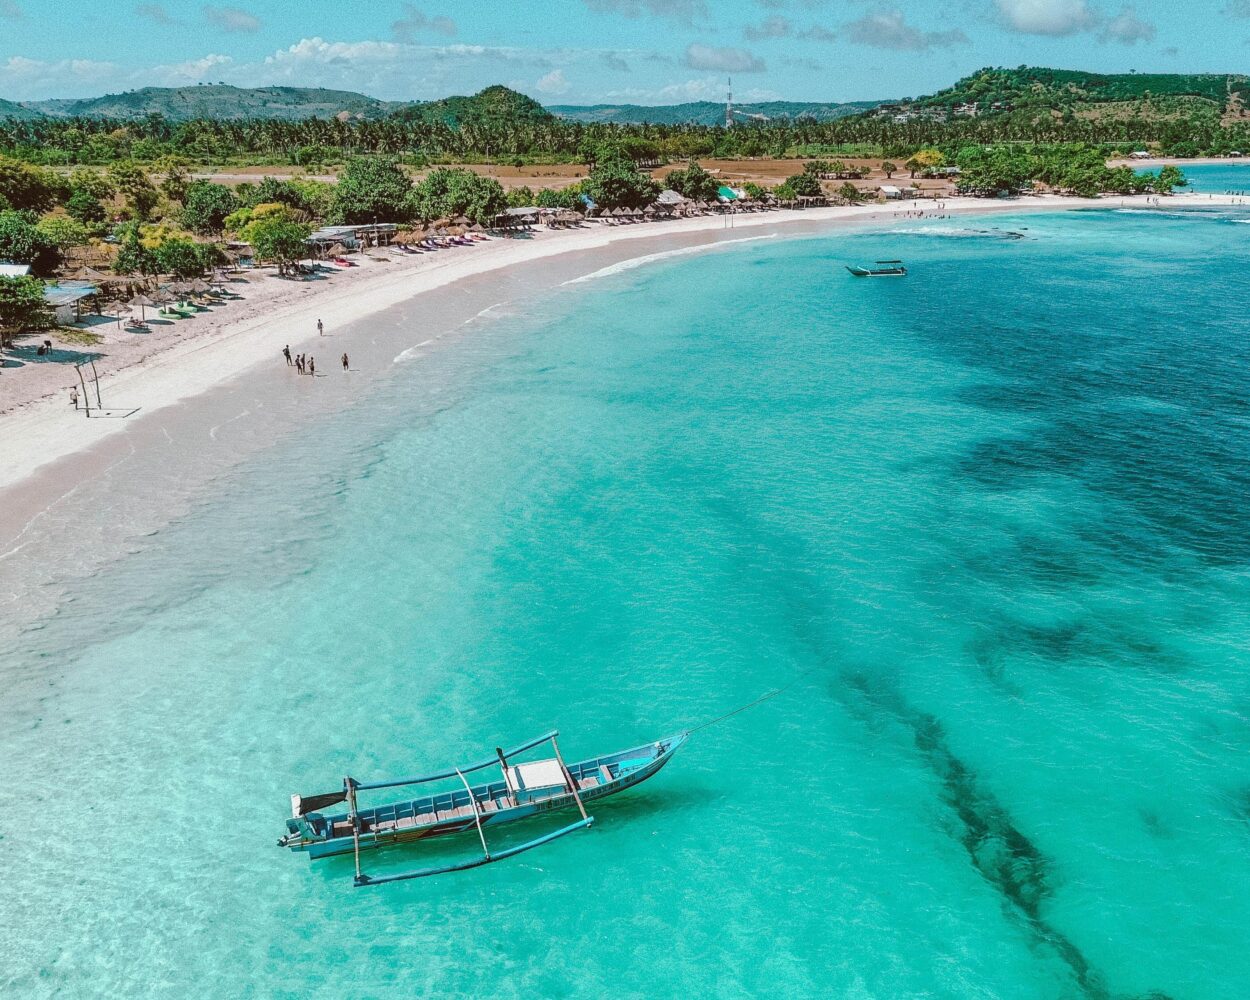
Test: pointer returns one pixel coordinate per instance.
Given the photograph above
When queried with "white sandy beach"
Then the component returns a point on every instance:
(253, 333)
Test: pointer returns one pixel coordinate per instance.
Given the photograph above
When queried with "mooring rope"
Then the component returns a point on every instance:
(750, 704)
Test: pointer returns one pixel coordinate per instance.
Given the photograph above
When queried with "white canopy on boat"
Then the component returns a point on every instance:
(535, 774)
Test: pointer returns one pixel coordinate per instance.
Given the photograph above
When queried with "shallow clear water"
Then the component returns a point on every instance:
(1220, 178)
(991, 517)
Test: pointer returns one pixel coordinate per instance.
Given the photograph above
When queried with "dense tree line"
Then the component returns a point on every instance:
(315, 142)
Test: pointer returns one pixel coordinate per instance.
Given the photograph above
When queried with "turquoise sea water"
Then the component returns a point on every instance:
(1221, 178)
(991, 517)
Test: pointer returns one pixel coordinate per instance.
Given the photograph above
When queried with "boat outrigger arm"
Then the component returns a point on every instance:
(302, 806)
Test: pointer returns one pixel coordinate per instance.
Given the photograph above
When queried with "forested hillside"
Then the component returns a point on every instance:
(707, 112)
(218, 101)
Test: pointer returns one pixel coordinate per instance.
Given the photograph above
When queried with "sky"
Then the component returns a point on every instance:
(600, 51)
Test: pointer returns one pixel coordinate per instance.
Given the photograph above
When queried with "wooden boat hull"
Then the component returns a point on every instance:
(888, 272)
(421, 819)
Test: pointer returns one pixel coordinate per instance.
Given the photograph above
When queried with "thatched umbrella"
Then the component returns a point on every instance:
(199, 286)
(461, 220)
(477, 227)
(89, 274)
(141, 301)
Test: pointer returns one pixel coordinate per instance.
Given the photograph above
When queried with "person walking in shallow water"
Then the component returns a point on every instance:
(286, 353)
(344, 361)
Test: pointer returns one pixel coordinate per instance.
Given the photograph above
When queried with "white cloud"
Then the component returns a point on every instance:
(771, 27)
(415, 22)
(706, 89)
(24, 79)
(232, 19)
(390, 70)
(1127, 28)
(817, 34)
(890, 30)
(708, 57)
(553, 83)
(1046, 17)
(683, 11)
(155, 13)
(191, 71)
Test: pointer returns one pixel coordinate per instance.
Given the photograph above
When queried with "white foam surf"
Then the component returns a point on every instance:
(651, 258)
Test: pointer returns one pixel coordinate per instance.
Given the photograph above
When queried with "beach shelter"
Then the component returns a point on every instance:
(141, 301)
(727, 193)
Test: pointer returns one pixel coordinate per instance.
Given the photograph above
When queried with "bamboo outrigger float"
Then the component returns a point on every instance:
(526, 789)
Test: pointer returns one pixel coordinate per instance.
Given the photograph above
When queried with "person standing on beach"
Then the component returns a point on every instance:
(344, 361)
(321, 330)
(286, 353)
(312, 366)
(299, 364)
(73, 394)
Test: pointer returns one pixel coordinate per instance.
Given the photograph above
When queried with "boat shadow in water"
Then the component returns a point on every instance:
(999, 851)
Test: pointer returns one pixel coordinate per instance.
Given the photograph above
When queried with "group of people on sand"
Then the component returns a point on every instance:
(306, 364)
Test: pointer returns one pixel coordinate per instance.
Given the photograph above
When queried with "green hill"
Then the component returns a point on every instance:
(8, 109)
(1060, 89)
(220, 102)
(706, 112)
(492, 105)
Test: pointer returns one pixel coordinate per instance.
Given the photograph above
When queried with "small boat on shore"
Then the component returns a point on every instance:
(883, 269)
(524, 790)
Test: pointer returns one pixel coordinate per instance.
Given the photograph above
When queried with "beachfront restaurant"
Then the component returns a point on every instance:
(373, 234)
(65, 300)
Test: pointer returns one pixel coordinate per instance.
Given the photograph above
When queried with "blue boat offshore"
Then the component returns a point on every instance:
(525, 790)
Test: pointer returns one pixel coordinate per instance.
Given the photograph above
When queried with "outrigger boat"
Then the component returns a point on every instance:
(891, 269)
(526, 789)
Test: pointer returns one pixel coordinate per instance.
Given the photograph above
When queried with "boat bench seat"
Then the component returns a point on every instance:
(607, 775)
